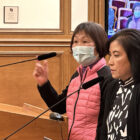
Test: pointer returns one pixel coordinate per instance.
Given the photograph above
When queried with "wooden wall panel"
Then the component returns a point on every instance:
(17, 83)
(97, 11)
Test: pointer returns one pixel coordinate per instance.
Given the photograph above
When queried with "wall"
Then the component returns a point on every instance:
(33, 35)
(24, 41)
(32, 14)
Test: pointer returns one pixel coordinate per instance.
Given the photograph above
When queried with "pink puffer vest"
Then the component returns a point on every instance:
(87, 107)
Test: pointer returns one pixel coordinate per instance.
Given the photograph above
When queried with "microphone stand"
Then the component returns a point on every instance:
(18, 62)
(41, 114)
(82, 86)
(40, 57)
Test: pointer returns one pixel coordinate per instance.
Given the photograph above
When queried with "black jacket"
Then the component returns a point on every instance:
(133, 122)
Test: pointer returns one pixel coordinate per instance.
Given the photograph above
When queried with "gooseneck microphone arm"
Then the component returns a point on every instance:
(39, 115)
(84, 86)
(40, 57)
(18, 62)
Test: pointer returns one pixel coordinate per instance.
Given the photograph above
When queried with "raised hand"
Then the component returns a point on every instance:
(40, 72)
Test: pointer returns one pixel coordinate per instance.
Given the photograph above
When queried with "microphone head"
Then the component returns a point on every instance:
(46, 56)
(56, 116)
(92, 82)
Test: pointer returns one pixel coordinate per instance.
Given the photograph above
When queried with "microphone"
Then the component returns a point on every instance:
(56, 116)
(92, 82)
(46, 56)
(40, 57)
(84, 86)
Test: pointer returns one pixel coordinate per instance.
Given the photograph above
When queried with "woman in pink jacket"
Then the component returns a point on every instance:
(84, 108)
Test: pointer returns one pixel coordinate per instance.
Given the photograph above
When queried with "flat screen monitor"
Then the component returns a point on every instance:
(121, 14)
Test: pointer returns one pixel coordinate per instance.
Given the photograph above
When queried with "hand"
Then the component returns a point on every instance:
(41, 72)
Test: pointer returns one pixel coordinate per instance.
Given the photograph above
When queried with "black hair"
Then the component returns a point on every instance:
(129, 39)
(97, 34)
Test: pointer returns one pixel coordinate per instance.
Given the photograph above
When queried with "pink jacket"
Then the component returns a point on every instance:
(88, 104)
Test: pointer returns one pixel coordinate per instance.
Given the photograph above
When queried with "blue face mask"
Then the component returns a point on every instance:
(137, 14)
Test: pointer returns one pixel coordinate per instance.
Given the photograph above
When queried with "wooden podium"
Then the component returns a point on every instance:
(14, 117)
